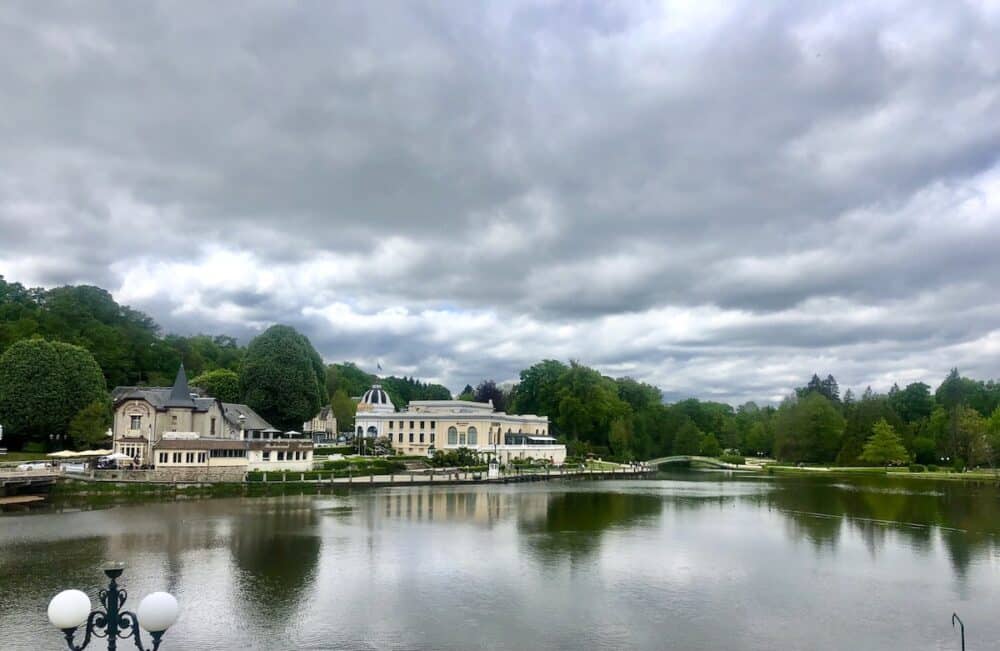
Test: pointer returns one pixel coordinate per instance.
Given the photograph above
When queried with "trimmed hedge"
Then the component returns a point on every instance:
(336, 449)
(918, 467)
(734, 459)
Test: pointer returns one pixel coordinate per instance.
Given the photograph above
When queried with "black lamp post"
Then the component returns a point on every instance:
(70, 609)
(954, 618)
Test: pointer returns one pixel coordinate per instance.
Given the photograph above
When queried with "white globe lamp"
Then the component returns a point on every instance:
(157, 612)
(69, 609)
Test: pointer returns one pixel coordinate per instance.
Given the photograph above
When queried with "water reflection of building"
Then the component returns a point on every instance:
(482, 506)
(429, 425)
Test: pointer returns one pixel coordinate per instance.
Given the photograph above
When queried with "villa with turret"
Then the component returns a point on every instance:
(177, 427)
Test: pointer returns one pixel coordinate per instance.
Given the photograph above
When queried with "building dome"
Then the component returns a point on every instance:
(376, 399)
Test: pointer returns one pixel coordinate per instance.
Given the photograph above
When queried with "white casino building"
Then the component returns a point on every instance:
(430, 425)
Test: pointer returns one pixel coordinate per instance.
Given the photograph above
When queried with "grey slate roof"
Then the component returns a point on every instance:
(180, 394)
(231, 411)
(157, 396)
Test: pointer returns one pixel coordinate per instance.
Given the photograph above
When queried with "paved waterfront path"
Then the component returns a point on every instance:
(437, 477)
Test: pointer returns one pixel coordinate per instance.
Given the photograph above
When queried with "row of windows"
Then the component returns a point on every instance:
(289, 456)
(421, 436)
(228, 453)
(403, 424)
(471, 437)
(131, 450)
(182, 457)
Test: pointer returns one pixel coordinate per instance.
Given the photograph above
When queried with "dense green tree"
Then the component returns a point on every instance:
(710, 446)
(88, 428)
(808, 429)
(638, 395)
(344, 409)
(924, 450)
(620, 438)
(828, 388)
(348, 378)
(884, 446)
(43, 385)
(688, 439)
(538, 390)
(760, 439)
(973, 440)
(280, 379)
(488, 390)
(220, 383)
(860, 418)
(913, 403)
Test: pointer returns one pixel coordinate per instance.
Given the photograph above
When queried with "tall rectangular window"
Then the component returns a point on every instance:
(136, 423)
(212, 427)
(411, 437)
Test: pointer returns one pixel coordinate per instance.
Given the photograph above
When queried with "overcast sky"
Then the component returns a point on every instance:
(717, 198)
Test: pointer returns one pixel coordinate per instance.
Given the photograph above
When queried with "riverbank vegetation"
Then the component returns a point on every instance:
(281, 376)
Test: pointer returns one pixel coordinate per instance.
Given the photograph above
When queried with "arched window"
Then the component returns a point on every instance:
(452, 436)
(360, 431)
(473, 436)
(372, 431)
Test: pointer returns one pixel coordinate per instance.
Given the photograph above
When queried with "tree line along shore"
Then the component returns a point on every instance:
(62, 349)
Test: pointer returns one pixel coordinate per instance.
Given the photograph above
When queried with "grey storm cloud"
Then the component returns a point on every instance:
(719, 198)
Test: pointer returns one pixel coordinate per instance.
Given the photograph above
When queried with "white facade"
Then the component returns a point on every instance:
(430, 425)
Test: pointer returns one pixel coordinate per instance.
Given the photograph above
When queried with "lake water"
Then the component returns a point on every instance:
(691, 561)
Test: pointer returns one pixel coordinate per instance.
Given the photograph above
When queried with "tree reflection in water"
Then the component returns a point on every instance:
(966, 515)
(276, 552)
(574, 522)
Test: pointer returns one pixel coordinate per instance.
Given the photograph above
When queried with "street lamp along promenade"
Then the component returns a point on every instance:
(71, 608)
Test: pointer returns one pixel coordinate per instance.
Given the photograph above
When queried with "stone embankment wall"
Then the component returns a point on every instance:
(179, 475)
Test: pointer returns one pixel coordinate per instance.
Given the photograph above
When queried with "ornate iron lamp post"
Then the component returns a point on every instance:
(70, 609)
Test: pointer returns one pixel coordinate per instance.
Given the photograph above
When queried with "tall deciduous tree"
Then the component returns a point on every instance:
(344, 410)
(89, 426)
(688, 439)
(885, 445)
(43, 385)
(488, 390)
(710, 446)
(280, 378)
(808, 429)
(220, 383)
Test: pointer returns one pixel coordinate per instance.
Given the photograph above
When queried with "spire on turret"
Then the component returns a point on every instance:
(180, 394)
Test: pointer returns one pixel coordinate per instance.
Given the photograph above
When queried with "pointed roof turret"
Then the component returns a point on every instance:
(180, 394)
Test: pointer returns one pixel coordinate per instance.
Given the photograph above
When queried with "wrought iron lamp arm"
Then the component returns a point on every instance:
(92, 620)
(128, 627)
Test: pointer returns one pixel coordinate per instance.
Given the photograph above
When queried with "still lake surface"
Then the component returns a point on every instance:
(689, 561)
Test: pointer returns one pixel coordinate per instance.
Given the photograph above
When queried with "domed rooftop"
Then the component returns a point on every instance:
(376, 399)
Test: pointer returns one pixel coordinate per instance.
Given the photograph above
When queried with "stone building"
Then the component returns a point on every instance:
(175, 427)
(323, 425)
(430, 425)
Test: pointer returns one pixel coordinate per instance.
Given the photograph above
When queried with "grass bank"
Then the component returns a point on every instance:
(896, 473)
